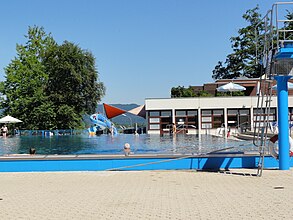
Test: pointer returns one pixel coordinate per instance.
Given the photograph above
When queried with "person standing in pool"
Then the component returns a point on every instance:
(4, 130)
(174, 129)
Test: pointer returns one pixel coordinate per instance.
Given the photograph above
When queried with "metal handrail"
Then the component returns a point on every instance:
(180, 127)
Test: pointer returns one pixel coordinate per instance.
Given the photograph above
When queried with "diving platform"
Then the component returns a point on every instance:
(285, 51)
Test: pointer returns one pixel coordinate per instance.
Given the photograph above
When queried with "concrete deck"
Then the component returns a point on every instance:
(147, 195)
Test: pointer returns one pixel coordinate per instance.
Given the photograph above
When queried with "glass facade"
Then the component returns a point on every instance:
(261, 116)
(239, 118)
(186, 118)
(160, 120)
(213, 118)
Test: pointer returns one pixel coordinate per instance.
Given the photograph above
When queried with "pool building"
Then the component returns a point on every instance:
(211, 115)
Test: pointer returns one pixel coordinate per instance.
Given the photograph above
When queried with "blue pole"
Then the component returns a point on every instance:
(284, 158)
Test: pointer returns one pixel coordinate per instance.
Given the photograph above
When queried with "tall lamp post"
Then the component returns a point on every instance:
(130, 120)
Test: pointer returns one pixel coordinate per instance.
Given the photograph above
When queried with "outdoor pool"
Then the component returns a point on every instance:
(113, 145)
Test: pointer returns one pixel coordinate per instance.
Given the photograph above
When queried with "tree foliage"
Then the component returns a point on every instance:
(72, 83)
(50, 86)
(241, 62)
(204, 94)
(181, 91)
(288, 25)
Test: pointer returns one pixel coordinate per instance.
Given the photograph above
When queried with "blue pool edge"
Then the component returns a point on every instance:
(46, 163)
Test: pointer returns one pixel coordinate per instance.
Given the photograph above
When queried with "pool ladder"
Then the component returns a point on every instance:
(261, 121)
(271, 35)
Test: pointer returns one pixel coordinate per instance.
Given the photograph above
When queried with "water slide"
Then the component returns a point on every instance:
(101, 122)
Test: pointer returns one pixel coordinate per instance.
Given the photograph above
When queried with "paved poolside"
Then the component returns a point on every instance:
(146, 195)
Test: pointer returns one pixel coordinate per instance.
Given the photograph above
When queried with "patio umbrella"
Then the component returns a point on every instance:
(290, 86)
(9, 119)
(231, 87)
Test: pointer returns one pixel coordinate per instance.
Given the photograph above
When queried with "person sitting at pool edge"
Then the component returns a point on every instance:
(32, 151)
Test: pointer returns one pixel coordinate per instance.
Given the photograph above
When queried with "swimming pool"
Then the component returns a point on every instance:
(113, 145)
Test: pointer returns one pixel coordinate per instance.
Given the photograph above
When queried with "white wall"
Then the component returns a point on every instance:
(207, 103)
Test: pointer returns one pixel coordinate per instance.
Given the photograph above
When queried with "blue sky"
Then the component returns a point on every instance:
(143, 48)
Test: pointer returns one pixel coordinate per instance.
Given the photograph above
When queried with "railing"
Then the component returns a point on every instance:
(247, 127)
(182, 128)
(271, 33)
(269, 43)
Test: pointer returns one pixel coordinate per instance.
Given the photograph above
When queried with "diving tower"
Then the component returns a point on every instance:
(274, 53)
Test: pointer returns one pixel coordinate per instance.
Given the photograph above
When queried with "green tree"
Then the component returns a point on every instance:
(204, 94)
(241, 62)
(26, 80)
(288, 25)
(181, 91)
(50, 86)
(72, 83)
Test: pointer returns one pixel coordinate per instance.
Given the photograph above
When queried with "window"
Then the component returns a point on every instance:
(212, 118)
(154, 113)
(218, 118)
(262, 115)
(159, 120)
(206, 112)
(154, 120)
(239, 118)
(187, 118)
(232, 111)
(154, 126)
(206, 119)
(166, 113)
(166, 120)
(244, 112)
(192, 113)
(180, 113)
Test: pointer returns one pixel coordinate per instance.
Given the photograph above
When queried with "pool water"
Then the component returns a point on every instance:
(107, 144)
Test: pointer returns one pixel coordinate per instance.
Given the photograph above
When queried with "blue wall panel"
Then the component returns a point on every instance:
(17, 165)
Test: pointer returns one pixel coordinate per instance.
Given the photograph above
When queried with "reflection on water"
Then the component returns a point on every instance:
(107, 144)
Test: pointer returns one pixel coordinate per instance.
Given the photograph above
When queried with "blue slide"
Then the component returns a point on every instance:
(101, 122)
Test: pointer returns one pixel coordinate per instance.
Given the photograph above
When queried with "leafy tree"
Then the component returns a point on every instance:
(26, 79)
(288, 25)
(72, 83)
(50, 86)
(204, 94)
(181, 91)
(241, 62)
